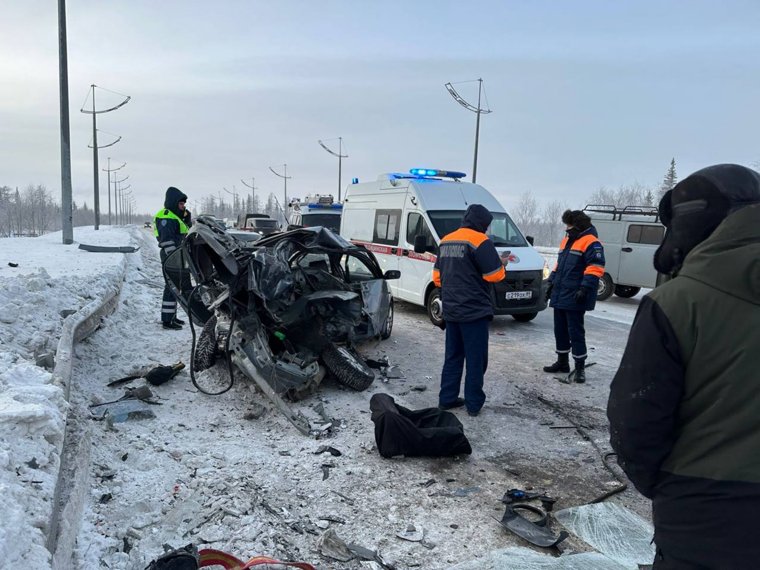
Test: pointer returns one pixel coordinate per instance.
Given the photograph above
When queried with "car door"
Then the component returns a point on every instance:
(416, 268)
(640, 242)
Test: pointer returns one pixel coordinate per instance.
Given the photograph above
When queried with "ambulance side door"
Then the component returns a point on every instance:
(416, 268)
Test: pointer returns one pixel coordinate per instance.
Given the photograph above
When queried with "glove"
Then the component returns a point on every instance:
(580, 296)
(549, 288)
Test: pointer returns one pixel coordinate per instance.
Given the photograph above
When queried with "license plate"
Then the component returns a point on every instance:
(519, 294)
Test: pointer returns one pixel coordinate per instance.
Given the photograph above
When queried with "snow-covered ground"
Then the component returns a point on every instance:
(214, 471)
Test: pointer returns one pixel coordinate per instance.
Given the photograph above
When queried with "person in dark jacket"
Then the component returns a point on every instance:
(466, 265)
(170, 229)
(572, 291)
(683, 406)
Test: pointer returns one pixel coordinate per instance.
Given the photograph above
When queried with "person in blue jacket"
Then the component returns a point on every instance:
(572, 291)
(171, 225)
(466, 265)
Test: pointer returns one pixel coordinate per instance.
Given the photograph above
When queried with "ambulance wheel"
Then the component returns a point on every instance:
(626, 292)
(606, 288)
(435, 307)
(524, 317)
(388, 326)
(348, 367)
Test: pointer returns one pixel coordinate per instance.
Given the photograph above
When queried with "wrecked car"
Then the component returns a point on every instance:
(284, 309)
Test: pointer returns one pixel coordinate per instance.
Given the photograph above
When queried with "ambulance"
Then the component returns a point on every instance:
(402, 217)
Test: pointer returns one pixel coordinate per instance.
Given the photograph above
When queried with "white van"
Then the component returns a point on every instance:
(401, 218)
(630, 237)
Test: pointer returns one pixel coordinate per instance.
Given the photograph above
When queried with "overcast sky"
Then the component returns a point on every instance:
(584, 94)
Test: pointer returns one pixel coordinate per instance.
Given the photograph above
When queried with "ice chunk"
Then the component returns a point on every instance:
(519, 558)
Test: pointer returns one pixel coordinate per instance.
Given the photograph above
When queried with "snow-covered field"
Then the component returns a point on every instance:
(216, 472)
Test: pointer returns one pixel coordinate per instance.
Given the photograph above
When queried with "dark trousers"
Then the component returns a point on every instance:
(465, 342)
(178, 272)
(569, 333)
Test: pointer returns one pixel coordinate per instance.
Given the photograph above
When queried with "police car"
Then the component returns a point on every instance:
(316, 211)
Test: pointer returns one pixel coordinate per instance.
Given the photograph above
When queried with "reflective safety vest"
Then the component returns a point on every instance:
(164, 214)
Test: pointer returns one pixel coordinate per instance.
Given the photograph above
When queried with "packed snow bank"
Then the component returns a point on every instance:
(42, 282)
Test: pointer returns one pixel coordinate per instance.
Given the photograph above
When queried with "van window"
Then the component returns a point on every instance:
(649, 235)
(387, 224)
(502, 230)
(417, 226)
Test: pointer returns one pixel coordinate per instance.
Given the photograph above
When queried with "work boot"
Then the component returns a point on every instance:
(178, 321)
(579, 374)
(172, 325)
(562, 364)
(458, 403)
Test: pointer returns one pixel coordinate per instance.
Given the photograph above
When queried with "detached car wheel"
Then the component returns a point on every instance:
(348, 367)
(388, 326)
(434, 307)
(606, 288)
(626, 292)
(525, 317)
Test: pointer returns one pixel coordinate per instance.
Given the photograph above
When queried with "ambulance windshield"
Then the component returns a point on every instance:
(502, 230)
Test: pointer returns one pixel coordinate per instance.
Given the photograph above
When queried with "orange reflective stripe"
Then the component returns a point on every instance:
(467, 235)
(495, 276)
(437, 277)
(581, 244)
(563, 243)
(595, 270)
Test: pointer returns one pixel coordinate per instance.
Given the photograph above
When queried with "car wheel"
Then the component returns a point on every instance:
(626, 292)
(388, 326)
(205, 351)
(435, 307)
(606, 288)
(348, 367)
(524, 317)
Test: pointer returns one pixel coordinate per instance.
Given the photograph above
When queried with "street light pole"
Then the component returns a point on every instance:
(340, 156)
(285, 177)
(67, 222)
(117, 188)
(96, 182)
(478, 111)
(110, 170)
(253, 193)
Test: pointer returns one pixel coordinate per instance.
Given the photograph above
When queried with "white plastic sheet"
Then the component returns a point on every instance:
(613, 530)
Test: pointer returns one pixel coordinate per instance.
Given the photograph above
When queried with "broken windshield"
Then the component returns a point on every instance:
(502, 230)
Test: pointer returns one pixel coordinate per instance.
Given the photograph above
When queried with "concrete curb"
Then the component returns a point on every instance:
(73, 474)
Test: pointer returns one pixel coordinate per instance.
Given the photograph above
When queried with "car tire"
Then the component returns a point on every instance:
(205, 352)
(626, 291)
(606, 288)
(434, 307)
(524, 317)
(388, 326)
(348, 367)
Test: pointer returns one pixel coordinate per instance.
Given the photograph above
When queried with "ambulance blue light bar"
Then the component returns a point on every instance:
(325, 206)
(424, 172)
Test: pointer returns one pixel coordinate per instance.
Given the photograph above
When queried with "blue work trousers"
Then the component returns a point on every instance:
(569, 333)
(465, 342)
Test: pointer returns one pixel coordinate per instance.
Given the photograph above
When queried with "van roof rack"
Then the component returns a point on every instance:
(618, 213)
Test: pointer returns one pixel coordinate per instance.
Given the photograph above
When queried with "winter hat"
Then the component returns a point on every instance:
(697, 205)
(577, 219)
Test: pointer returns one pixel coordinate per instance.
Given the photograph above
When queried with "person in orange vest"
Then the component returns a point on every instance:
(572, 291)
(466, 265)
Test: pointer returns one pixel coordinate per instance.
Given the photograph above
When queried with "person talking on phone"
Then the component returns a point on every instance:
(466, 265)
(572, 291)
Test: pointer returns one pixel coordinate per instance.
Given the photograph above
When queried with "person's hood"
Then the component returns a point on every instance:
(173, 197)
(477, 218)
(697, 205)
(729, 260)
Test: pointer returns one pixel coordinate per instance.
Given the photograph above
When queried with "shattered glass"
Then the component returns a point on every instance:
(613, 530)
